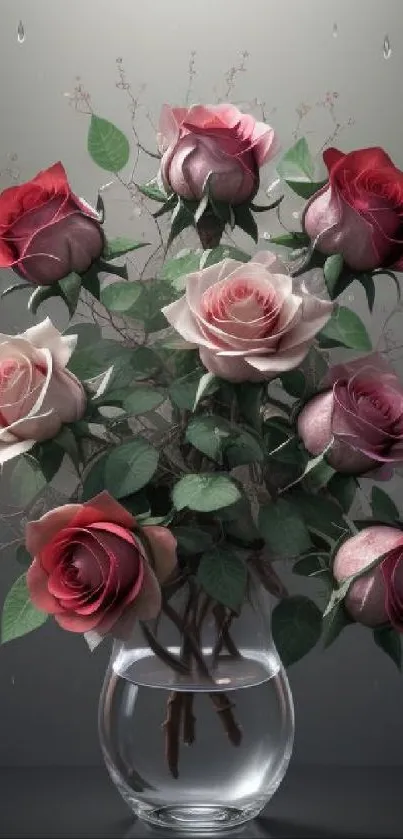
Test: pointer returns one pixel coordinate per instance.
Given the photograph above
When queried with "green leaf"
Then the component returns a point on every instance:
(23, 557)
(368, 285)
(211, 257)
(121, 296)
(389, 640)
(94, 479)
(90, 361)
(323, 516)
(208, 384)
(107, 145)
(70, 288)
(207, 434)
(297, 163)
(305, 189)
(333, 623)
(242, 449)
(223, 575)
(120, 246)
(345, 329)
(19, 614)
(153, 191)
(67, 443)
(143, 399)
(137, 504)
(49, 457)
(154, 295)
(283, 529)
(90, 280)
(296, 628)
(383, 508)
(167, 207)
(318, 471)
(312, 564)
(180, 219)
(42, 293)
(15, 287)
(244, 219)
(343, 489)
(249, 398)
(291, 240)
(205, 493)
(27, 480)
(176, 270)
(332, 270)
(192, 540)
(294, 383)
(183, 391)
(129, 467)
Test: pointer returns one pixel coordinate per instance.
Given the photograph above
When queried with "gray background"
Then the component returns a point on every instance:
(349, 699)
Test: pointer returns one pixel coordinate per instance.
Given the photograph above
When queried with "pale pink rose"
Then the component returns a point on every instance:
(246, 319)
(94, 569)
(377, 596)
(37, 393)
(217, 142)
(358, 214)
(362, 410)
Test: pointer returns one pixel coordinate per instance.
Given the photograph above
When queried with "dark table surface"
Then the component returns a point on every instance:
(317, 802)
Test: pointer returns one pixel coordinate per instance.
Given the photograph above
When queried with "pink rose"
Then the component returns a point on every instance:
(376, 597)
(217, 141)
(37, 393)
(246, 319)
(359, 213)
(94, 569)
(363, 411)
(46, 231)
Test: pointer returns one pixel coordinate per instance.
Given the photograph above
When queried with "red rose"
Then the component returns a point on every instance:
(359, 213)
(94, 569)
(46, 231)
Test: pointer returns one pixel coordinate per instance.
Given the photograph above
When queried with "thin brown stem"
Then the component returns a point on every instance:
(189, 719)
(172, 728)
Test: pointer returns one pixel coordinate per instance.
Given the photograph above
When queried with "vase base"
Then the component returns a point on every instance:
(197, 818)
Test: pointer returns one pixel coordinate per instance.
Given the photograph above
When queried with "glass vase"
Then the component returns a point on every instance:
(196, 715)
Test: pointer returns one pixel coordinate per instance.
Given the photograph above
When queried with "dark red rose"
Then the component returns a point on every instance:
(359, 213)
(46, 231)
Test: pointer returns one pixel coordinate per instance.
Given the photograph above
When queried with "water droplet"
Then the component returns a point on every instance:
(20, 33)
(387, 49)
(350, 298)
(296, 214)
(13, 680)
(266, 235)
(137, 211)
(335, 30)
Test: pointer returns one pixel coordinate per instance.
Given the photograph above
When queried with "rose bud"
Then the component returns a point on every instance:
(376, 597)
(46, 231)
(246, 319)
(215, 142)
(37, 393)
(94, 569)
(358, 214)
(362, 410)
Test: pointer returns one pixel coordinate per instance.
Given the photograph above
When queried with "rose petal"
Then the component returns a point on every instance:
(163, 548)
(39, 533)
(37, 582)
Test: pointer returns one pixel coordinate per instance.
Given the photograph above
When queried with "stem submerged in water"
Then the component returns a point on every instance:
(180, 718)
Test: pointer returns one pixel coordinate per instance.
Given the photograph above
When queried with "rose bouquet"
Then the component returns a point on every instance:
(209, 434)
